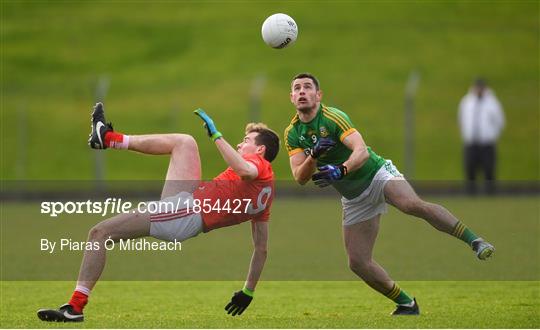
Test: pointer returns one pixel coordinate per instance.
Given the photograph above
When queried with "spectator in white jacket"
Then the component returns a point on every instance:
(481, 119)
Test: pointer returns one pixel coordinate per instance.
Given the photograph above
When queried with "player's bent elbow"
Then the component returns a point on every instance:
(365, 154)
(302, 181)
(261, 250)
(247, 173)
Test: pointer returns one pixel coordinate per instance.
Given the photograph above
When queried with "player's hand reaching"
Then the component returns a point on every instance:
(321, 147)
(329, 173)
(239, 302)
(209, 125)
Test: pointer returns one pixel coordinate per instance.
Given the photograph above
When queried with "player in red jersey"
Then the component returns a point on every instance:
(244, 191)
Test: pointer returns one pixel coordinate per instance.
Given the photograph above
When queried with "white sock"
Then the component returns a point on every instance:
(120, 145)
(83, 289)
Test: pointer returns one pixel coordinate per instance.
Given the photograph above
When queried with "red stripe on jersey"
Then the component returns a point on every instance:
(169, 216)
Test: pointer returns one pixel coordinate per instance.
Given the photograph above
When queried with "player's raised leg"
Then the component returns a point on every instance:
(359, 241)
(400, 194)
(184, 172)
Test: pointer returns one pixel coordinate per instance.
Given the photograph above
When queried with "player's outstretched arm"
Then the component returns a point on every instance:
(241, 299)
(259, 233)
(244, 169)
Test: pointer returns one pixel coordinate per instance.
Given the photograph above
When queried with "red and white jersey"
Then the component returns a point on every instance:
(229, 200)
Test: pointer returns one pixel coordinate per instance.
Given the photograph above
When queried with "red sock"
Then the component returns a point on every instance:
(116, 140)
(78, 301)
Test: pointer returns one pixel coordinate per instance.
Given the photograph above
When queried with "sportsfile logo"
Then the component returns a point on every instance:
(191, 205)
(108, 206)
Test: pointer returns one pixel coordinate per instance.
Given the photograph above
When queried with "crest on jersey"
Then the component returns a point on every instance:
(323, 131)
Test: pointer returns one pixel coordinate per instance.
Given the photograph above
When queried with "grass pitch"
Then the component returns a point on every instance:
(305, 284)
(278, 304)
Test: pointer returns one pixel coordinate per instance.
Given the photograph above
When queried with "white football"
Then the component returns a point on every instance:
(279, 31)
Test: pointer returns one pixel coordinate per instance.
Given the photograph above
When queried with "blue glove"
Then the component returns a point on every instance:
(211, 129)
(320, 148)
(329, 173)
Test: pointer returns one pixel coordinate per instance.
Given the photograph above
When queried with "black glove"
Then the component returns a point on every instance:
(329, 173)
(239, 302)
(321, 147)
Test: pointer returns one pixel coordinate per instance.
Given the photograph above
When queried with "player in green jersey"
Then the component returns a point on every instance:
(324, 146)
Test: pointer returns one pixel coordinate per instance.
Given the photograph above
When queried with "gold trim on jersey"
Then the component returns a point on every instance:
(337, 115)
(286, 133)
(347, 133)
(295, 151)
(339, 120)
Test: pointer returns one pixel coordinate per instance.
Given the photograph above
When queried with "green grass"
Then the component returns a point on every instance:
(306, 282)
(316, 304)
(169, 58)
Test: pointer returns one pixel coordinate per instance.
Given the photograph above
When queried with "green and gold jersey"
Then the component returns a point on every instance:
(335, 124)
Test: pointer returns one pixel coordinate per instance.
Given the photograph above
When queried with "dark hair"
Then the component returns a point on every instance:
(307, 75)
(265, 137)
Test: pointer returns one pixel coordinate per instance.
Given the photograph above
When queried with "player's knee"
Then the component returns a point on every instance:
(185, 141)
(358, 265)
(97, 233)
(262, 250)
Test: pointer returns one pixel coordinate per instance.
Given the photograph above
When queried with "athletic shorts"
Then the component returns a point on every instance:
(371, 202)
(176, 223)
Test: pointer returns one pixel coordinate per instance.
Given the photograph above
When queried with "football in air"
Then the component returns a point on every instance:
(279, 31)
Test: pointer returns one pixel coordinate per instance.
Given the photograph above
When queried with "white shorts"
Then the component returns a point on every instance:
(371, 202)
(176, 223)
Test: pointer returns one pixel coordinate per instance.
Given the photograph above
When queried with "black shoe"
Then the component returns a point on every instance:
(96, 140)
(63, 314)
(405, 310)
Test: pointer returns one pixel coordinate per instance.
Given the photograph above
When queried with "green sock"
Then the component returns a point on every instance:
(463, 233)
(399, 296)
